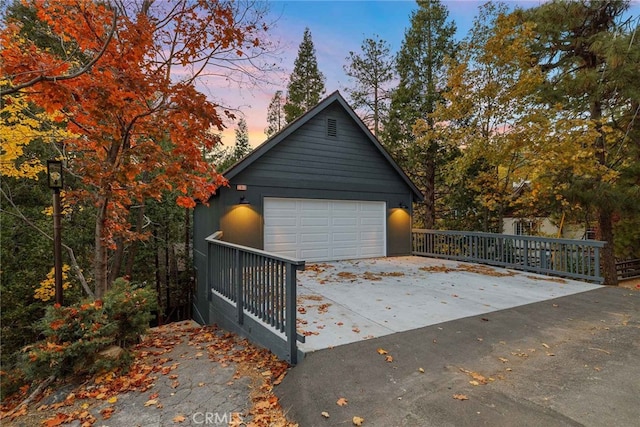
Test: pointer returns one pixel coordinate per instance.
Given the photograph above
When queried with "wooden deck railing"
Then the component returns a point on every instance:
(259, 283)
(577, 259)
(628, 269)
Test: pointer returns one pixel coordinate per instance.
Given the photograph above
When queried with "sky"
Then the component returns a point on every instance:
(337, 27)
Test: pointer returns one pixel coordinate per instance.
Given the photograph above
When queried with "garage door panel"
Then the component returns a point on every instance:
(314, 221)
(344, 205)
(325, 230)
(370, 252)
(345, 253)
(312, 254)
(314, 238)
(346, 222)
(281, 238)
(344, 237)
(313, 205)
(370, 236)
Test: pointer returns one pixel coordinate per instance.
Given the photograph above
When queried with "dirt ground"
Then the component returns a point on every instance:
(631, 284)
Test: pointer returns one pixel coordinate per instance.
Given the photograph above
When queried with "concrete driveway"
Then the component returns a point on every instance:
(349, 301)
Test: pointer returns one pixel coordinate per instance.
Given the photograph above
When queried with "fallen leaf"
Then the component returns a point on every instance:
(179, 419)
(460, 397)
(545, 345)
(357, 421)
(382, 351)
(503, 359)
(150, 402)
(56, 421)
(421, 370)
(106, 412)
(113, 399)
(388, 359)
(342, 402)
(356, 330)
(325, 414)
(474, 382)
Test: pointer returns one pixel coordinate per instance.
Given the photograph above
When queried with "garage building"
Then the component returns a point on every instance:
(322, 189)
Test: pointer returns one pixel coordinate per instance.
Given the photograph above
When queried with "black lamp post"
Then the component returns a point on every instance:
(54, 174)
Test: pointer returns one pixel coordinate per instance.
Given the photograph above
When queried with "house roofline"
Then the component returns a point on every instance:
(267, 145)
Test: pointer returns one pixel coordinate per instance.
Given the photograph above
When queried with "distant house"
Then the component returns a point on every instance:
(541, 225)
(322, 189)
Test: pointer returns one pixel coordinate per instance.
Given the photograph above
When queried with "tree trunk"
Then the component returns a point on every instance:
(117, 258)
(101, 251)
(133, 249)
(430, 193)
(608, 262)
(605, 217)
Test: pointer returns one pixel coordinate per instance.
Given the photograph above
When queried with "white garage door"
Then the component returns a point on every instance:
(324, 230)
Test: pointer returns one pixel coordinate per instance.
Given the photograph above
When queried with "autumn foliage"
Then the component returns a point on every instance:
(139, 125)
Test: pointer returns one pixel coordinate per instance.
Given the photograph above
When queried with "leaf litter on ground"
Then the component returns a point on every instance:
(262, 367)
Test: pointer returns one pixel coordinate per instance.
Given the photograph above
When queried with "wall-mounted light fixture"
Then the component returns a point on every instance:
(244, 201)
(401, 205)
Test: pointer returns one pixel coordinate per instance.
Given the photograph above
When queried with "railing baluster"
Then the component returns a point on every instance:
(259, 283)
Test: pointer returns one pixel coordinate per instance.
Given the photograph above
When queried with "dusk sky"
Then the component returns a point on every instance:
(337, 27)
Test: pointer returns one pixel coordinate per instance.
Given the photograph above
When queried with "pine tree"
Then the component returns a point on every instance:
(372, 70)
(306, 83)
(275, 114)
(589, 53)
(242, 147)
(420, 64)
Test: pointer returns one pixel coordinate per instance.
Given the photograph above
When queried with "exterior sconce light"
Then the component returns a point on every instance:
(244, 201)
(401, 205)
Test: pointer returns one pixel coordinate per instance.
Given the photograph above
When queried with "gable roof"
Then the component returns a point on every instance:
(335, 97)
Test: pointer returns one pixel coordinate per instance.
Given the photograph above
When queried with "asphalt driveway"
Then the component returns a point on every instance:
(568, 361)
(350, 301)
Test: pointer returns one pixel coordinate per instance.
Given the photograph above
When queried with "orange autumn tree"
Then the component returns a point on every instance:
(141, 125)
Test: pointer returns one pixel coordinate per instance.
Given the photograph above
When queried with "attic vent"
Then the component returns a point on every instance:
(332, 128)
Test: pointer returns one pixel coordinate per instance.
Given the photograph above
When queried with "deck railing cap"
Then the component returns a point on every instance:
(294, 261)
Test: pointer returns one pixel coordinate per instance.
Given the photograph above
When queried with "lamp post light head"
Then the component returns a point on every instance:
(54, 174)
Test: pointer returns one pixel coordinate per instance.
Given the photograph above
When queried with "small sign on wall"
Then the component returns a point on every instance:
(241, 187)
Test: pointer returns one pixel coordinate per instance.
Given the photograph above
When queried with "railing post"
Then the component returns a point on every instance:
(238, 283)
(596, 255)
(290, 316)
(210, 270)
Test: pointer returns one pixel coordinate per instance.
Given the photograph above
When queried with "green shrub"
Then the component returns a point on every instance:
(74, 335)
(130, 308)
